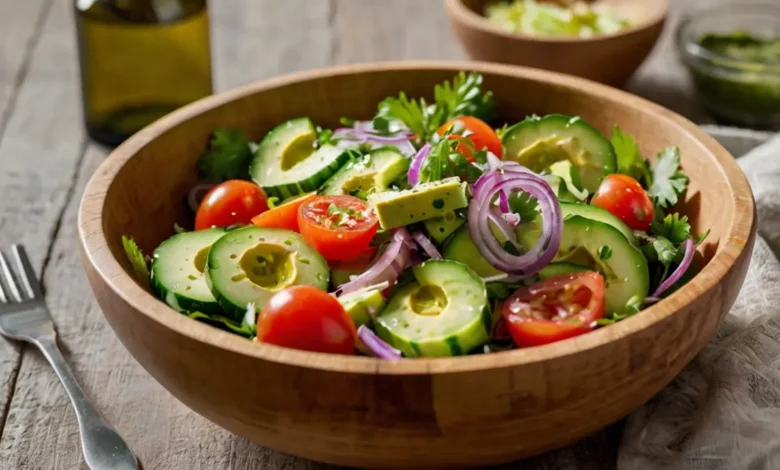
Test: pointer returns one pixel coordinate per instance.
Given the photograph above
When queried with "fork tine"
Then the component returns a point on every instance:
(27, 273)
(8, 279)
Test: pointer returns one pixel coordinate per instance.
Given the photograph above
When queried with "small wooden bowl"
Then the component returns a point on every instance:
(609, 59)
(423, 413)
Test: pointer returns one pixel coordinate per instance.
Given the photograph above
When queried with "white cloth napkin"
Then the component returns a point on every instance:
(723, 411)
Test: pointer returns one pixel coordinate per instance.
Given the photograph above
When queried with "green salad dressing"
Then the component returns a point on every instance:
(740, 81)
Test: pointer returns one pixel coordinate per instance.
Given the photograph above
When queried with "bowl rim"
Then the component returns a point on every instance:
(95, 246)
(460, 13)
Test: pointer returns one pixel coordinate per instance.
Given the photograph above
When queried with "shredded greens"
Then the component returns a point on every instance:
(547, 19)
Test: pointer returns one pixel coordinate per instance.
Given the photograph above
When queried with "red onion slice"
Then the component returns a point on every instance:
(479, 217)
(690, 249)
(388, 267)
(426, 245)
(416, 166)
(196, 194)
(376, 345)
(353, 138)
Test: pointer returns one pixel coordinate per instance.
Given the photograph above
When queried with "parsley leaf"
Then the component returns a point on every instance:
(461, 97)
(228, 156)
(660, 250)
(137, 260)
(633, 306)
(464, 97)
(674, 227)
(605, 252)
(629, 160)
(524, 205)
(669, 182)
(324, 136)
(702, 237)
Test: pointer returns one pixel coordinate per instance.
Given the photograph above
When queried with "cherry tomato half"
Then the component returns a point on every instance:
(554, 309)
(283, 216)
(229, 203)
(482, 135)
(624, 197)
(304, 317)
(339, 227)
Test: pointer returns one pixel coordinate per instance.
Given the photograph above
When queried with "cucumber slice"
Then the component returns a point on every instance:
(444, 312)
(600, 215)
(559, 269)
(363, 306)
(625, 270)
(537, 143)
(251, 264)
(369, 174)
(528, 233)
(177, 271)
(461, 248)
(287, 164)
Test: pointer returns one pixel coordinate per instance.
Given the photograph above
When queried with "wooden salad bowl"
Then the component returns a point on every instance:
(422, 413)
(610, 59)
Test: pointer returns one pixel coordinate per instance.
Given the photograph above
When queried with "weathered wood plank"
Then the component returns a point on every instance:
(373, 30)
(38, 151)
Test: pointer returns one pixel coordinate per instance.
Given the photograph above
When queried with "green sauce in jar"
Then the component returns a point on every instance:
(738, 77)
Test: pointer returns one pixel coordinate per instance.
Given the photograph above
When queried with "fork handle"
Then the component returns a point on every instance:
(102, 445)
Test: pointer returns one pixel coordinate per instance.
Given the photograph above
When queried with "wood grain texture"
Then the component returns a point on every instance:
(253, 39)
(610, 59)
(39, 149)
(442, 413)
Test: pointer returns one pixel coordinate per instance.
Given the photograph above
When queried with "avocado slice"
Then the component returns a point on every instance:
(538, 143)
(440, 228)
(251, 264)
(369, 174)
(287, 163)
(178, 266)
(422, 202)
(443, 312)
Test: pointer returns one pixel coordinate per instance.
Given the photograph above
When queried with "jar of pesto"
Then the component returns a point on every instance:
(733, 54)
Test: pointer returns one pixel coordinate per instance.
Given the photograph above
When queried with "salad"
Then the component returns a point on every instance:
(425, 231)
(539, 18)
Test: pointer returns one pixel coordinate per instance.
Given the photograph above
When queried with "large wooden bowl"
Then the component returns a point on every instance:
(610, 59)
(445, 413)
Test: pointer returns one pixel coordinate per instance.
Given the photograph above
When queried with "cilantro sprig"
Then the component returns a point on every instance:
(228, 156)
(445, 160)
(629, 159)
(463, 96)
(668, 180)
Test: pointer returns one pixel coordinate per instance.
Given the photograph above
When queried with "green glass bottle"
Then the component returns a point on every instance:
(140, 59)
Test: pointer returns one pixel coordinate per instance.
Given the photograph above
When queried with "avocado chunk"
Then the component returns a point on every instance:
(538, 143)
(178, 266)
(368, 174)
(287, 162)
(422, 202)
(251, 264)
(440, 228)
(443, 312)
(363, 306)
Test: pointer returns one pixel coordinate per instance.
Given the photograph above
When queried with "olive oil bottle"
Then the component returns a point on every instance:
(140, 59)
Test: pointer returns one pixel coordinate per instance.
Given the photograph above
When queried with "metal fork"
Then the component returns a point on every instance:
(24, 316)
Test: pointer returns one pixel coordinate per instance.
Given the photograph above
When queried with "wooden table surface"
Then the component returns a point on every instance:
(46, 159)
